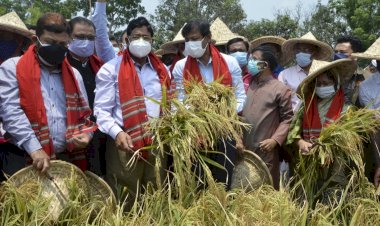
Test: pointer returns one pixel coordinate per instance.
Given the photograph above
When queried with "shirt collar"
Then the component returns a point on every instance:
(209, 61)
(148, 62)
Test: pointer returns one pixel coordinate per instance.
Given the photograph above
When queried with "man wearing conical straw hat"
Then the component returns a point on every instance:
(204, 63)
(322, 103)
(274, 43)
(14, 40)
(345, 46)
(369, 96)
(238, 48)
(304, 50)
(44, 102)
(177, 45)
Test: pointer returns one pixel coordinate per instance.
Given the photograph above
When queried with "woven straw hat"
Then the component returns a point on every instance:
(220, 33)
(177, 39)
(11, 22)
(324, 52)
(100, 190)
(373, 52)
(54, 183)
(344, 67)
(277, 40)
(250, 173)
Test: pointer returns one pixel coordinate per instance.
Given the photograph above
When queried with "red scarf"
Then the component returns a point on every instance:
(95, 63)
(132, 98)
(219, 67)
(31, 101)
(312, 123)
(175, 60)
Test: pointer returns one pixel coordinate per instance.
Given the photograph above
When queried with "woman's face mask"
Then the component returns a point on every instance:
(325, 91)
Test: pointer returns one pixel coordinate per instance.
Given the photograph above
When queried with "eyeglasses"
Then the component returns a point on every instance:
(137, 37)
(51, 42)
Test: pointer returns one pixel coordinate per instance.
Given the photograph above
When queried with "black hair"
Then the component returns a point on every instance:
(235, 40)
(81, 20)
(137, 23)
(113, 38)
(202, 26)
(31, 26)
(53, 22)
(267, 56)
(356, 44)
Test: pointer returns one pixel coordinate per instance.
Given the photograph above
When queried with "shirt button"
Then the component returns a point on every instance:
(53, 121)
(52, 105)
(52, 89)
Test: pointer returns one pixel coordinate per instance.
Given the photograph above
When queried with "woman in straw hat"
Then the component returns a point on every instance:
(323, 102)
(304, 50)
(14, 40)
(369, 96)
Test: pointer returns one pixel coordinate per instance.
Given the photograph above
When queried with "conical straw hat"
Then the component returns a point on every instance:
(11, 22)
(344, 67)
(277, 40)
(220, 33)
(177, 39)
(373, 52)
(324, 52)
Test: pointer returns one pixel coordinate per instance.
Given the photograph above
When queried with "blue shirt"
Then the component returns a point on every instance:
(15, 121)
(369, 92)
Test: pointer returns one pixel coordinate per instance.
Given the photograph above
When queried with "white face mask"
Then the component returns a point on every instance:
(325, 91)
(140, 48)
(194, 48)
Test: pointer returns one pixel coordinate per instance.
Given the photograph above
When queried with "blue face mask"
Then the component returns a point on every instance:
(241, 58)
(303, 59)
(338, 56)
(252, 67)
(7, 49)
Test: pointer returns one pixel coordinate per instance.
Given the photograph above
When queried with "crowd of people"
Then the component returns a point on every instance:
(69, 91)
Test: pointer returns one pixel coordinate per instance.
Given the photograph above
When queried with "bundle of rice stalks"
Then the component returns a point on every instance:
(338, 150)
(190, 132)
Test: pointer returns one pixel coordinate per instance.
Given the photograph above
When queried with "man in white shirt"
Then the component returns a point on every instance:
(206, 64)
(304, 50)
(124, 89)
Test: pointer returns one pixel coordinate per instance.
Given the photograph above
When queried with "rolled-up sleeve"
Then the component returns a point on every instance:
(105, 100)
(15, 121)
(103, 46)
(237, 83)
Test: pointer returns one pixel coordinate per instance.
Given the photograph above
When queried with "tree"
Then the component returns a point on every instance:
(362, 16)
(325, 24)
(283, 25)
(119, 12)
(171, 15)
(30, 11)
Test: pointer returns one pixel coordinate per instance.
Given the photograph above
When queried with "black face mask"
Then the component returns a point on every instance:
(53, 54)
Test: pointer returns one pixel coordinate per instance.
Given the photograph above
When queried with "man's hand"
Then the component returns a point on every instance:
(41, 161)
(268, 145)
(304, 146)
(124, 142)
(376, 178)
(81, 141)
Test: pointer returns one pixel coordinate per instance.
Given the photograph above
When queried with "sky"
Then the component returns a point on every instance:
(255, 9)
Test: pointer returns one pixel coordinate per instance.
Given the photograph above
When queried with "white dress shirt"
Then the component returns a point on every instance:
(292, 77)
(14, 119)
(107, 107)
(208, 77)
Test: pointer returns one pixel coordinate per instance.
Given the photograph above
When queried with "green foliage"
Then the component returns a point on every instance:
(119, 12)
(171, 15)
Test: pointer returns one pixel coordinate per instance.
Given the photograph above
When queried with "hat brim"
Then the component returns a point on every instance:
(366, 56)
(169, 45)
(325, 52)
(270, 40)
(345, 69)
(25, 33)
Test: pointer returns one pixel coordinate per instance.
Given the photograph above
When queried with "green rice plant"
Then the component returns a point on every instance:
(340, 145)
